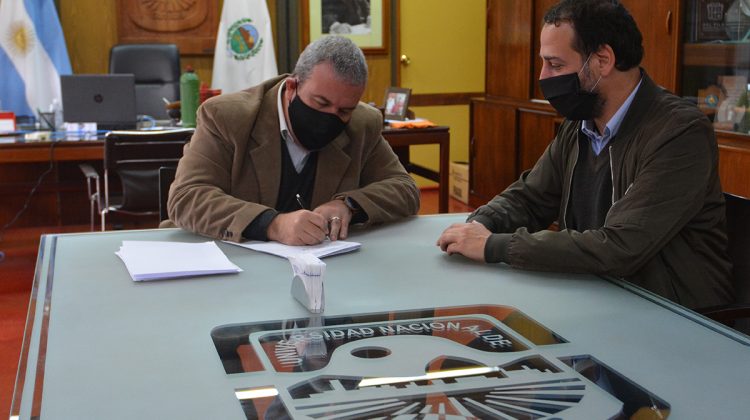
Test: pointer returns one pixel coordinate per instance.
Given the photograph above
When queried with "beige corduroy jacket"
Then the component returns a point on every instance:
(231, 170)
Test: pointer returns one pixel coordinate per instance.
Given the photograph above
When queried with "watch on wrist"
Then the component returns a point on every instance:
(351, 205)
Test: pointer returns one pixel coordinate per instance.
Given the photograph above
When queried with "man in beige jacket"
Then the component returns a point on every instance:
(294, 159)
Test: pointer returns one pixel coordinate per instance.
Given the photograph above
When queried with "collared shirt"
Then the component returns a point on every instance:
(599, 142)
(298, 153)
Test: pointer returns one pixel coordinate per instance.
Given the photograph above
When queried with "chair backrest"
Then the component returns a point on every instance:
(136, 156)
(166, 177)
(157, 74)
(738, 230)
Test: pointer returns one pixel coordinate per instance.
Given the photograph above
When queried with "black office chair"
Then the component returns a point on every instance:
(135, 157)
(157, 74)
(166, 177)
(736, 315)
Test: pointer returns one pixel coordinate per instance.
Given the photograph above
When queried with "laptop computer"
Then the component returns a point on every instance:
(106, 99)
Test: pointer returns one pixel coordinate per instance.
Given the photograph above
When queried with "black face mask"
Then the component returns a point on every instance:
(314, 129)
(564, 93)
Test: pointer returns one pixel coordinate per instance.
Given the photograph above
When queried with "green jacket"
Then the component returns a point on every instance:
(666, 228)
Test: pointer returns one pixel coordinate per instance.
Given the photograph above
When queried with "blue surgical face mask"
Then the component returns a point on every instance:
(565, 94)
(314, 129)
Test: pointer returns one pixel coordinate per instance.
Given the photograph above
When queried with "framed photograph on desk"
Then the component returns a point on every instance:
(396, 103)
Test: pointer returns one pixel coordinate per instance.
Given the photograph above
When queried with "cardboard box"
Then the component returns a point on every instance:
(459, 181)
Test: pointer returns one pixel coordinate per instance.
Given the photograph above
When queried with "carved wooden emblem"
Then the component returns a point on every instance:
(168, 15)
(191, 24)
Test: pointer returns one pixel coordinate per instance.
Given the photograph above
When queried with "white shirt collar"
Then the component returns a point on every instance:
(298, 153)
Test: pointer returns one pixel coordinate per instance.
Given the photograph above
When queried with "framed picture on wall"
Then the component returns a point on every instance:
(396, 103)
(366, 22)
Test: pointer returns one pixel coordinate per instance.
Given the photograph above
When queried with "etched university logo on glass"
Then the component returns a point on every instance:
(455, 363)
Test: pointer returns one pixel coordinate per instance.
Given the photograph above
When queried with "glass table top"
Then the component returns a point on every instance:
(483, 361)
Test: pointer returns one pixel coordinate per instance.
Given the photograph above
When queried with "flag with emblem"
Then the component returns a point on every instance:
(244, 54)
(32, 56)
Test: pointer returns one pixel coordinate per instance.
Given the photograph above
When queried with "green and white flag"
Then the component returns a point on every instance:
(244, 54)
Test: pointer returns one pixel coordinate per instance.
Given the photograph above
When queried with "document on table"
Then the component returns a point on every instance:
(154, 260)
(321, 250)
(307, 284)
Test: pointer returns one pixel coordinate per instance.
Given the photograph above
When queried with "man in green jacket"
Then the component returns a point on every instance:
(631, 176)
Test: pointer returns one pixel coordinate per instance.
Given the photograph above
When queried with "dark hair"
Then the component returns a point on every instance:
(600, 22)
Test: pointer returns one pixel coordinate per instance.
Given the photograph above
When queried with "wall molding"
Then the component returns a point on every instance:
(438, 99)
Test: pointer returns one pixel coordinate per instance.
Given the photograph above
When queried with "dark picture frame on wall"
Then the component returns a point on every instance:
(396, 103)
(366, 22)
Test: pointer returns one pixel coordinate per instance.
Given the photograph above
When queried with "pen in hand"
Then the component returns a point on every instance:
(303, 207)
(301, 204)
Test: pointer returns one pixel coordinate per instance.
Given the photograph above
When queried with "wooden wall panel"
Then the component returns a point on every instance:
(509, 41)
(90, 28)
(538, 129)
(190, 25)
(493, 150)
(660, 23)
(379, 78)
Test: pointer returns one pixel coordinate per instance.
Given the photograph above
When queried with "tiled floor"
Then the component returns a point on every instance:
(16, 276)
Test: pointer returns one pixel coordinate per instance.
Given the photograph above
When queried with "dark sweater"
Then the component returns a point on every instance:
(591, 191)
(292, 183)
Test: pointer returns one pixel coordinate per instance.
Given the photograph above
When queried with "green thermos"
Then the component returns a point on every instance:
(189, 86)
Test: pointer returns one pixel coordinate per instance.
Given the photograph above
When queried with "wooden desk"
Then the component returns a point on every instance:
(62, 200)
(59, 151)
(401, 139)
(61, 197)
(98, 345)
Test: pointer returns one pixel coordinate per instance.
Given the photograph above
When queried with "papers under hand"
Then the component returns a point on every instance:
(153, 260)
(321, 250)
(307, 284)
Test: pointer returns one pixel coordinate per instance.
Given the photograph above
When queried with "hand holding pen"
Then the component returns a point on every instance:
(301, 227)
(338, 216)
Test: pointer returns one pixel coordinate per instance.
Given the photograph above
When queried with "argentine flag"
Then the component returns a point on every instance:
(32, 56)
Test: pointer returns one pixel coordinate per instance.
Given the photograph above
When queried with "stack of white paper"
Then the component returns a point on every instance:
(153, 260)
(321, 250)
(307, 284)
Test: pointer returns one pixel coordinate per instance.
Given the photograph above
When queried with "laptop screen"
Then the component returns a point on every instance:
(106, 99)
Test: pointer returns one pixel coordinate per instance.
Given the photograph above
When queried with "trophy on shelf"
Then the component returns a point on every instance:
(732, 112)
(720, 21)
(708, 24)
(737, 21)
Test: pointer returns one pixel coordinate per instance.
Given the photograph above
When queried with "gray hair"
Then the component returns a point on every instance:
(347, 59)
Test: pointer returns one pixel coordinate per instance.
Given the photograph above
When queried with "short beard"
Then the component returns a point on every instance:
(588, 79)
(598, 109)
